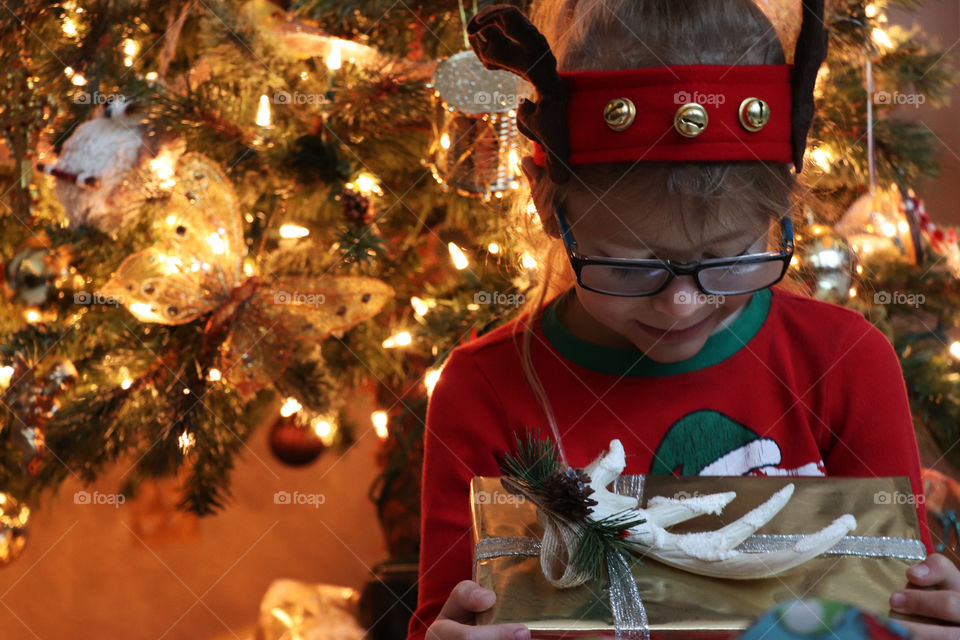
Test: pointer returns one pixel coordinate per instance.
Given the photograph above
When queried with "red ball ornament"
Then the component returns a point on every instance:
(294, 444)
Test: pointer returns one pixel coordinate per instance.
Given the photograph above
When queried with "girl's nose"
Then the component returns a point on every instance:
(681, 299)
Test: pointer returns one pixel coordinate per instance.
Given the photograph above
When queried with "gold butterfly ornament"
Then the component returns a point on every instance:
(198, 269)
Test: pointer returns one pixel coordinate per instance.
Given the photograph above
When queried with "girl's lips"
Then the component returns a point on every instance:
(677, 334)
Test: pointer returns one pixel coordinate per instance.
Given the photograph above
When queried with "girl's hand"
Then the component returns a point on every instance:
(941, 603)
(456, 619)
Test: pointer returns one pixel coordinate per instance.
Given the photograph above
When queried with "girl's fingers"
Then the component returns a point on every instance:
(466, 599)
(937, 570)
(940, 605)
(922, 631)
(450, 630)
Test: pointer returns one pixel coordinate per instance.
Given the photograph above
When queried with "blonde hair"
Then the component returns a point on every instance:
(615, 34)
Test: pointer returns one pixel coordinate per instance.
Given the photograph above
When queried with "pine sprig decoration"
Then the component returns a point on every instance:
(536, 472)
(536, 460)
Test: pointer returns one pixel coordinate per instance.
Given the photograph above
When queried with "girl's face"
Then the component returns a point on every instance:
(672, 325)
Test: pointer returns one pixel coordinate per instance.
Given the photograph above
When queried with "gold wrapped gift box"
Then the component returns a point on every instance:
(863, 569)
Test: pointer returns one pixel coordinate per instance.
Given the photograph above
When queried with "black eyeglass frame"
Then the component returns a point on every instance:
(578, 261)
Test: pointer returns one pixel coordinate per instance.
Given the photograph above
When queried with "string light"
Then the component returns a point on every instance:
(445, 141)
(213, 375)
(955, 349)
(379, 420)
(186, 441)
(822, 157)
(293, 231)
(401, 339)
(853, 292)
(420, 307)
(263, 111)
(881, 38)
(290, 407)
(69, 27)
(493, 247)
(528, 261)
(366, 184)
(333, 58)
(78, 80)
(217, 245)
(456, 254)
(162, 168)
(325, 427)
(6, 374)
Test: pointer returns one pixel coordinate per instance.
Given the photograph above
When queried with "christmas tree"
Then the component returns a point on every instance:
(211, 207)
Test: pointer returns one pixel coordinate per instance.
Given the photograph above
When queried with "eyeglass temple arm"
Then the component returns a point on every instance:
(564, 228)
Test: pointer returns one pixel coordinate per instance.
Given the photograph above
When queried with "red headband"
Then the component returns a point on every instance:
(672, 113)
(658, 94)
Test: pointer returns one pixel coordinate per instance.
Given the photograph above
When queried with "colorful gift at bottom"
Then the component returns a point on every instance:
(865, 565)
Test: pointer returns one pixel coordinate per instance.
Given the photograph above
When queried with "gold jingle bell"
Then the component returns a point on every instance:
(619, 113)
(690, 120)
(754, 114)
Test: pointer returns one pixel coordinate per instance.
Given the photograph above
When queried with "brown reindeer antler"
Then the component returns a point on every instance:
(809, 54)
(503, 38)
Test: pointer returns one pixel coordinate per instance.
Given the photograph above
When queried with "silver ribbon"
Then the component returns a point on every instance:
(863, 546)
(626, 605)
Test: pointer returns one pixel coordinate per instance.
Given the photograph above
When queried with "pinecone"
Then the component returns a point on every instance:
(356, 208)
(566, 493)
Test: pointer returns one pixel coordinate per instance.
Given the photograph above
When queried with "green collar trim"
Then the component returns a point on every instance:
(633, 362)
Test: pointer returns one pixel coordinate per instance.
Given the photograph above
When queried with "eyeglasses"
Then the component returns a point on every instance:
(648, 276)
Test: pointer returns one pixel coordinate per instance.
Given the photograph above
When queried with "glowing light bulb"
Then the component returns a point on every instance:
(217, 245)
(293, 231)
(263, 111)
(888, 229)
(69, 27)
(456, 254)
(290, 407)
(420, 307)
(822, 157)
(493, 247)
(401, 339)
(130, 47)
(6, 373)
(213, 375)
(881, 38)
(32, 316)
(325, 427)
(78, 80)
(445, 141)
(162, 168)
(528, 261)
(955, 349)
(366, 183)
(186, 441)
(379, 419)
(853, 292)
(333, 58)
(126, 384)
(513, 158)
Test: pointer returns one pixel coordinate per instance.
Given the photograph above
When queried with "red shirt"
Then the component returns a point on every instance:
(793, 386)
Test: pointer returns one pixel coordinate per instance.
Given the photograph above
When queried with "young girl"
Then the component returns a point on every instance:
(656, 321)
